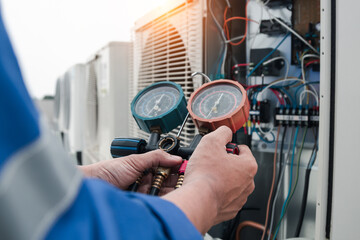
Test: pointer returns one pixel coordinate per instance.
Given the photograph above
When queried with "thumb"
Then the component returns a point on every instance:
(222, 135)
(154, 159)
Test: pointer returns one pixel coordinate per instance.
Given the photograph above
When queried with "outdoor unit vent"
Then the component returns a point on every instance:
(168, 46)
(66, 96)
(76, 74)
(62, 104)
(106, 114)
(57, 104)
(91, 144)
(69, 109)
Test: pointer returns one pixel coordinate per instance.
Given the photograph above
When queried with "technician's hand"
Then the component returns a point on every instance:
(122, 172)
(216, 184)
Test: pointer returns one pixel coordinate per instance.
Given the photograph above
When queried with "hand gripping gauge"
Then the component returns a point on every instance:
(218, 103)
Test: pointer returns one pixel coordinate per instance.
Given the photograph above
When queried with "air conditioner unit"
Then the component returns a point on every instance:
(106, 100)
(168, 46)
(46, 108)
(57, 103)
(62, 108)
(74, 140)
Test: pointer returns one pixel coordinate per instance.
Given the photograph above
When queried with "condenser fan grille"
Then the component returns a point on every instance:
(163, 50)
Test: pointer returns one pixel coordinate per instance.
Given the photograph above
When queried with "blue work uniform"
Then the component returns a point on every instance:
(44, 196)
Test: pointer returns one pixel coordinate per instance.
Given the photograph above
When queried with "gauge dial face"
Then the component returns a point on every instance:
(157, 101)
(216, 101)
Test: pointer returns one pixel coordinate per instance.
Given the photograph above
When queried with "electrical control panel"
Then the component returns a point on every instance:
(274, 52)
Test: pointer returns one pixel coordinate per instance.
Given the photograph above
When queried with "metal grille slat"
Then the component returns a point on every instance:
(168, 48)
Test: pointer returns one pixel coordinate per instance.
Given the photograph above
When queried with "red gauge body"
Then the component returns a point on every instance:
(218, 103)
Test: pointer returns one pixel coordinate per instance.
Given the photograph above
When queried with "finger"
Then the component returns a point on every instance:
(171, 181)
(145, 184)
(222, 135)
(154, 159)
(243, 149)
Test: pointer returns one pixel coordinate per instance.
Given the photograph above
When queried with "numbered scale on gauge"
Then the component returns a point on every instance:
(157, 101)
(221, 102)
(161, 105)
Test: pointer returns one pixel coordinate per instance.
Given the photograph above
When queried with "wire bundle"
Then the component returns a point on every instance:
(289, 92)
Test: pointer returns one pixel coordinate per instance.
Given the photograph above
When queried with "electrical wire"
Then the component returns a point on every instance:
(226, 29)
(289, 99)
(281, 153)
(290, 183)
(222, 69)
(248, 224)
(287, 201)
(202, 74)
(285, 80)
(297, 168)
(303, 60)
(302, 95)
(263, 138)
(267, 56)
(258, 28)
(281, 176)
(240, 65)
(216, 21)
(290, 30)
(272, 184)
(265, 132)
(278, 96)
(304, 85)
(221, 34)
(306, 187)
(311, 62)
(228, 3)
(303, 57)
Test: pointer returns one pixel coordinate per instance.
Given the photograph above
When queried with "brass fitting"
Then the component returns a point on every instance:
(161, 175)
(180, 181)
(139, 179)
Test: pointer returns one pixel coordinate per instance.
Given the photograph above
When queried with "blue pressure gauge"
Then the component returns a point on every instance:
(161, 106)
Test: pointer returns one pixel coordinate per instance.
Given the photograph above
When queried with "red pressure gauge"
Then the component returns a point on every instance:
(218, 103)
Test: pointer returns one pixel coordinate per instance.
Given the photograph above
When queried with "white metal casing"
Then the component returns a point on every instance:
(62, 109)
(345, 195)
(57, 103)
(106, 100)
(168, 46)
(76, 75)
(62, 104)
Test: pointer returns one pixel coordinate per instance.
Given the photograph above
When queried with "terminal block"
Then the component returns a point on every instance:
(297, 117)
(261, 112)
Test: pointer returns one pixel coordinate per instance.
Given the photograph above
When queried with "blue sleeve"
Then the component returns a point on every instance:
(103, 212)
(98, 210)
(18, 117)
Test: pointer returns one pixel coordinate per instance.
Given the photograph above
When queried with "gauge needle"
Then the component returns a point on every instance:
(214, 108)
(156, 106)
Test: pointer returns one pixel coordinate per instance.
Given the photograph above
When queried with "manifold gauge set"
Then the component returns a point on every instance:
(161, 107)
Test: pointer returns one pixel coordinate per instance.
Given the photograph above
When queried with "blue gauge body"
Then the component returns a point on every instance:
(161, 106)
